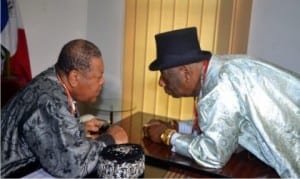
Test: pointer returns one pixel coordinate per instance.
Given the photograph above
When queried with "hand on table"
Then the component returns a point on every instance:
(155, 127)
(118, 133)
(92, 128)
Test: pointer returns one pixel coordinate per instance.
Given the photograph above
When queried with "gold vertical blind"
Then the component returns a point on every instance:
(223, 27)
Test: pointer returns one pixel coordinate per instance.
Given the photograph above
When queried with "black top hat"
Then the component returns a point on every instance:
(176, 48)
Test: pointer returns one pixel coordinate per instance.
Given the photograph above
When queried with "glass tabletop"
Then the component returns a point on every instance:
(113, 105)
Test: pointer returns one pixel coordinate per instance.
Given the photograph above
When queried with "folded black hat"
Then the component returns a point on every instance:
(176, 48)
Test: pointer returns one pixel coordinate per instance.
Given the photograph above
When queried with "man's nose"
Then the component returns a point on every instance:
(102, 81)
(161, 82)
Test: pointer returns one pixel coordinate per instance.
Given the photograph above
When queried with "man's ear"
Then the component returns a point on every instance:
(73, 78)
(186, 71)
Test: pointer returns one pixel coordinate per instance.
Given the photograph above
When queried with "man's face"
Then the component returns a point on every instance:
(90, 83)
(172, 81)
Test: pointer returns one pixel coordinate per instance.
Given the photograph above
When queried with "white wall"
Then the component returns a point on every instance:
(275, 32)
(106, 28)
(49, 24)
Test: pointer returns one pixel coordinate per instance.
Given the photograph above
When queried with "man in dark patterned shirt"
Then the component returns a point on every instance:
(41, 123)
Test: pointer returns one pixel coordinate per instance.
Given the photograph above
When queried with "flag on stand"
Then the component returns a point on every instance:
(14, 52)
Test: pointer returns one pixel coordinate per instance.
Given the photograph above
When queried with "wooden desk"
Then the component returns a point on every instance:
(242, 164)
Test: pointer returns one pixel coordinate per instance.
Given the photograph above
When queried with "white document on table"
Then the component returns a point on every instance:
(41, 173)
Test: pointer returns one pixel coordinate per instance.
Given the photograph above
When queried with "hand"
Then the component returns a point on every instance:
(155, 127)
(92, 127)
(118, 133)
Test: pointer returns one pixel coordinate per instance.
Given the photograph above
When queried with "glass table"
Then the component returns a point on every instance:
(112, 105)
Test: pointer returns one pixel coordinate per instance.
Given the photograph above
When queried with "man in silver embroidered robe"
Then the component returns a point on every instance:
(243, 101)
(41, 123)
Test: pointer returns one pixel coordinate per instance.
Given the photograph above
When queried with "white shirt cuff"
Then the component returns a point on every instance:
(173, 139)
(185, 128)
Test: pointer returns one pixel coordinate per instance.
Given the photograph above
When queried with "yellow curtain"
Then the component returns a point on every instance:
(223, 27)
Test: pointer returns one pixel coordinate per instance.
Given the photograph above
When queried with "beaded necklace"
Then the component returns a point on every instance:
(196, 127)
(70, 99)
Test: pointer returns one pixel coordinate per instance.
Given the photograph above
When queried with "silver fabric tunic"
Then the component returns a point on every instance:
(37, 125)
(250, 103)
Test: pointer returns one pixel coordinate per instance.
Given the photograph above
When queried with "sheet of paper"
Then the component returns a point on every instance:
(41, 173)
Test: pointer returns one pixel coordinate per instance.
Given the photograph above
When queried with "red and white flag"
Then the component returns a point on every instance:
(14, 51)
